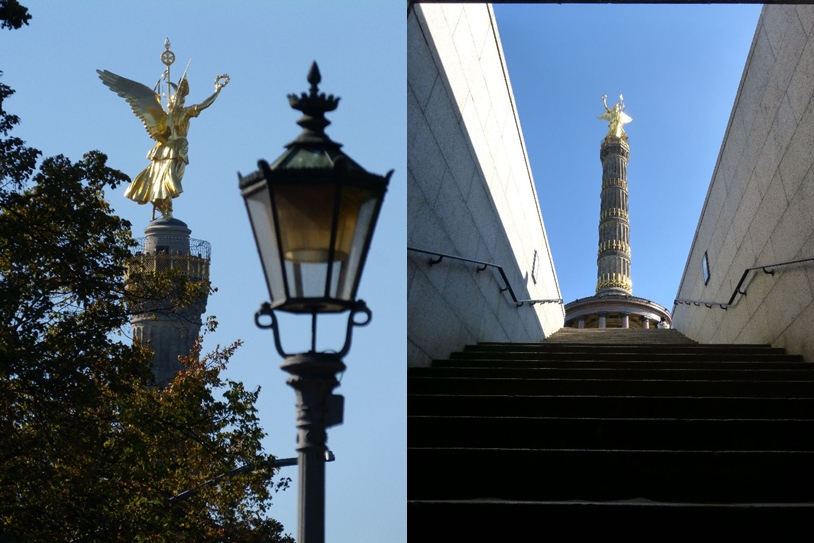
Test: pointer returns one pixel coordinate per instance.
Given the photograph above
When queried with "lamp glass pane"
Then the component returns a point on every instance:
(258, 205)
(305, 212)
(362, 204)
(306, 218)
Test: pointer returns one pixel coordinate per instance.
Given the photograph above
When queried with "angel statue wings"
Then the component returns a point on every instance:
(616, 118)
(160, 182)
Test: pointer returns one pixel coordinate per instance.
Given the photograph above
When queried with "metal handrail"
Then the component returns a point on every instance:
(765, 268)
(484, 265)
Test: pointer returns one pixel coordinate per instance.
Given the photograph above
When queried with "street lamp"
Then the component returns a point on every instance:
(313, 212)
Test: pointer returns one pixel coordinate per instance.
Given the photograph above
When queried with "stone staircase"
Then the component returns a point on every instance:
(611, 435)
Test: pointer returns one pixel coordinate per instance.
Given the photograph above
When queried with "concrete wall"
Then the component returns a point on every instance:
(760, 205)
(470, 190)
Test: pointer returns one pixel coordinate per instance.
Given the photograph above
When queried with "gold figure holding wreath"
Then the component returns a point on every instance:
(616, 117)
(160, 182)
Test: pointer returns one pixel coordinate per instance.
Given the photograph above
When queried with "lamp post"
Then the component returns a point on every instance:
(313, 212)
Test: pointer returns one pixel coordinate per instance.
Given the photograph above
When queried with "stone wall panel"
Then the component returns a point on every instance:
(478, 200)
(773, 187)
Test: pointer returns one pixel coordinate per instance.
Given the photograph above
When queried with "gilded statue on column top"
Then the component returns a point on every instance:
(616, 118)
(160, 182)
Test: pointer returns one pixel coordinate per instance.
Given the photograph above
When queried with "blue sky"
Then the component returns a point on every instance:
(678, 67)
(267, 49)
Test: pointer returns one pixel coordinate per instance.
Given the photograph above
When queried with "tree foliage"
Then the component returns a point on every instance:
(13, 15)
(91, 450)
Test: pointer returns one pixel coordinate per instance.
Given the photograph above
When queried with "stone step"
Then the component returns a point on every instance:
(578, 474)
(628, 520)
(609, 371)
(629, 406)
(695, 348)
(610, 433)
(633, 356)
(610, 387)
(609, 336)
(551, 362)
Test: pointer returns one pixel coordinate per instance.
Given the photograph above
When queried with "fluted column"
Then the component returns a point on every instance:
(613, 256)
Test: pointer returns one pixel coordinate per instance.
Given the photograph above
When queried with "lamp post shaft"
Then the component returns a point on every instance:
(313, 377)
(311, 512)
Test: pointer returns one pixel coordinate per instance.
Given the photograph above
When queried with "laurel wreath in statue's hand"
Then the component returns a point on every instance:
(218, 84)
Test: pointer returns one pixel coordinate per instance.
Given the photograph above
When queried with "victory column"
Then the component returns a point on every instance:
(613, 255)
(613, 305)
(170, 332)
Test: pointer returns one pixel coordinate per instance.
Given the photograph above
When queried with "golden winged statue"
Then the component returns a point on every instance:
(160, 182)
(616, 118)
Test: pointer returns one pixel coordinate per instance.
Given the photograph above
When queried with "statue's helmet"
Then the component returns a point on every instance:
(181, 90)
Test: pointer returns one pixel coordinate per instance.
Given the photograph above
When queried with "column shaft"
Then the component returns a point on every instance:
(613, 256)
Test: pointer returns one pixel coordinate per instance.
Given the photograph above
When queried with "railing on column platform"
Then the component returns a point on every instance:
(193, 264)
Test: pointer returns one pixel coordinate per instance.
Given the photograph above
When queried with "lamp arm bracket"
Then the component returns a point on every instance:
(358, 307)
(266, 311)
